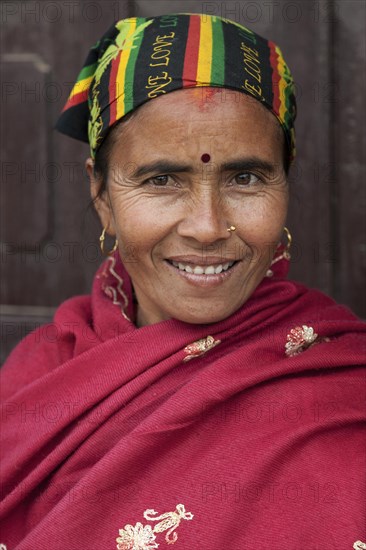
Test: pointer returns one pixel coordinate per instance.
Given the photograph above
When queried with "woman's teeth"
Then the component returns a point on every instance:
(203, 270)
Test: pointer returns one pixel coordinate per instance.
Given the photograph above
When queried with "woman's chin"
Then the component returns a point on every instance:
(204, 318)
(195, 311)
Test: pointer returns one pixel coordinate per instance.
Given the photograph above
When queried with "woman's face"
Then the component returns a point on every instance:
(170, 211)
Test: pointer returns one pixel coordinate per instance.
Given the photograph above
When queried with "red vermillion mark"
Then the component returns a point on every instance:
(205, 157)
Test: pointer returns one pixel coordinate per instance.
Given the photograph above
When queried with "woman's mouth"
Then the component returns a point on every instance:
(205, 275)
(213, 269)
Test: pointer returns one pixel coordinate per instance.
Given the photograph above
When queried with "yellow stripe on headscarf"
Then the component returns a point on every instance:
(121, 74)
(281, 85)
(81, 86)
(204, 66)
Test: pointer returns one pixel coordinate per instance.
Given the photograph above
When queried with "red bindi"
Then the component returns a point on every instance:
(205, 157)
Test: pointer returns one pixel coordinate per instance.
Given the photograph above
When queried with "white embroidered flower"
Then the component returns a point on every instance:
(299, 339)
(136, 538)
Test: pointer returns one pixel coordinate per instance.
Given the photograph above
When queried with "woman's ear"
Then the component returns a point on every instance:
(102, 202)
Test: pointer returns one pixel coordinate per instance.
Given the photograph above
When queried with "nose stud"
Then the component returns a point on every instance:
(231, 228)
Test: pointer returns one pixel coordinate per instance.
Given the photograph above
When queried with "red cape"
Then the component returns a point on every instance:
(109, 432)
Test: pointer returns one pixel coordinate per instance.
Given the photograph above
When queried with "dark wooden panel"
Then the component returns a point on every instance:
(24, 178)
(59, 238)
(18, 321)
(349, 223)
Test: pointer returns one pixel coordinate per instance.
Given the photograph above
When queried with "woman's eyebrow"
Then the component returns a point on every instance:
(249, 163)
(161, 166)
(167, 167)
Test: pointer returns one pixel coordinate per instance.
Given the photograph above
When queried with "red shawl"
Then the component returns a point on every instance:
(160, 435)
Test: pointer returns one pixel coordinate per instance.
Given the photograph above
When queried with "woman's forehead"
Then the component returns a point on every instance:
(210, 111)
(188, 123)
(202, 95)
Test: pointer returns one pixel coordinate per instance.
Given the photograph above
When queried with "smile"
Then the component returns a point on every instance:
(201, 269)
(207, 275)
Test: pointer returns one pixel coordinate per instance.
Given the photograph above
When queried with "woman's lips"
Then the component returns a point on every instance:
(210, 269)
(203, 274)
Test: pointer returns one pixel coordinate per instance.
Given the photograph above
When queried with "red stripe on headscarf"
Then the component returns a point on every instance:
(275, 77)
(113, 89)
(191, 53)
(76, 99)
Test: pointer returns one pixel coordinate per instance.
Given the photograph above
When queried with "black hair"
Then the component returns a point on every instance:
(102, 155)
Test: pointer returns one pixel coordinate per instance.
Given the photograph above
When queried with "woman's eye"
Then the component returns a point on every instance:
(159, 181)
(162, 182)
(246, 179)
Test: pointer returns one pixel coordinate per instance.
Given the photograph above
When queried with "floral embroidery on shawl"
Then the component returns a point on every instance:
(142, 537)
(115, 292)
(139, 537)
(358, 545)
(200, 347)
(301, 338)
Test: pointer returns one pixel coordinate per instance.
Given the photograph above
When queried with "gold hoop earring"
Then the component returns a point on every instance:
(284, 255)
(286, 252)
(101, 241)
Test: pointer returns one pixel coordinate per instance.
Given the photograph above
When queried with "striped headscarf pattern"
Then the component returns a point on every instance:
(139, 59)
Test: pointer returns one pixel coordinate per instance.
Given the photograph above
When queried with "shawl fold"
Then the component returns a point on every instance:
(111, 438)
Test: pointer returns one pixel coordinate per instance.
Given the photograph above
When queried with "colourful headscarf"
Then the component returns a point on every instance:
(139, 59)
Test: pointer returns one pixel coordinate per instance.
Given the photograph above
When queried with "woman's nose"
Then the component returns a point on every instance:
(205, 219)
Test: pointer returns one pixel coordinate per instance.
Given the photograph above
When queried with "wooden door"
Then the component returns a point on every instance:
(49, 236)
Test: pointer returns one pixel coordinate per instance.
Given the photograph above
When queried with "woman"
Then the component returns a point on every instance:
(197, 397)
